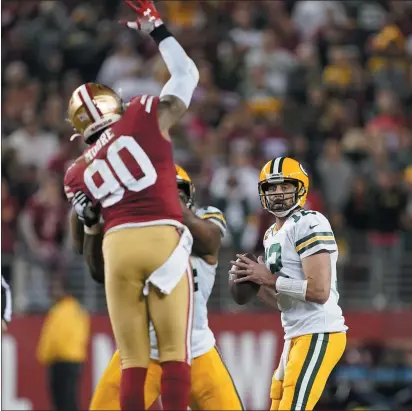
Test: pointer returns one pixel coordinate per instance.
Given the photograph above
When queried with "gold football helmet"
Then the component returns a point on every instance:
(280, 170)
(93, 107)
(184, 183)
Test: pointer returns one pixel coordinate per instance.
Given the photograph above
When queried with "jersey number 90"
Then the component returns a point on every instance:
(115, 182)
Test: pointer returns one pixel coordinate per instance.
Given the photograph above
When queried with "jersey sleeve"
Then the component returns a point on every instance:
(313, 233)
(71, 182)
(215, 216)
(268, 232)
(146, 103)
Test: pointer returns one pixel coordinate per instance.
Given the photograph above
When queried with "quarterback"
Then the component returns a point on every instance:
(212, 387)
(298, 275)
(127, 176)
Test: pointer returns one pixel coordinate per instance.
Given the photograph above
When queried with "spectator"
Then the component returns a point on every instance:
(233, 190)
(43, 225)
(309, 16)
(307, 71)
(389, 62)
(20, 94)
(357, 210)
(9, 210)
(244, 34)
(276, 61)
(335, 174)
(389, 202)
(33, 145)
(124, 62)
(389, 121)
(67, 154)
(62, 347)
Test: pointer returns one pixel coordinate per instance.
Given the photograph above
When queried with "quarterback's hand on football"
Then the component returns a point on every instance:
(256, 272)
(148, 18)
(88, 214)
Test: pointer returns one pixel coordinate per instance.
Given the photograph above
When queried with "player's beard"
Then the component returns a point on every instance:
(279, 202)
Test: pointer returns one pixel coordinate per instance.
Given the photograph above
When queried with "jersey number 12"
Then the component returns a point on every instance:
(273, 257)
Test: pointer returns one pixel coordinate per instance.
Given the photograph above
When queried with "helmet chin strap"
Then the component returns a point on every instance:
(284, 213)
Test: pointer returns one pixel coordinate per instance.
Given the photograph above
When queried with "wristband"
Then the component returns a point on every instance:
(160, 33)
(93, 230)
(292, 288)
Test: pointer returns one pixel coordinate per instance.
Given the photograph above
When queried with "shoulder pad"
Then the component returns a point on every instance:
(214, 215)
(313, 233)
(146, 101)
(308, 219)
(70, 177)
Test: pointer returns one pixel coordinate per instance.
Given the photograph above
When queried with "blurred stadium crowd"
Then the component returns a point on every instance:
(326, 82)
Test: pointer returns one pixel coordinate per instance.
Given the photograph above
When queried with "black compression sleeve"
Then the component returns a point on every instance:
(160, 33)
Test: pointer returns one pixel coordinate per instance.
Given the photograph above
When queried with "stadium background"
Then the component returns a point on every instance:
(328, 83)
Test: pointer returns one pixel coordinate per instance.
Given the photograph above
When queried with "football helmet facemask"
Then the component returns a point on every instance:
(92, 108)
(283, 170)
(185, 185)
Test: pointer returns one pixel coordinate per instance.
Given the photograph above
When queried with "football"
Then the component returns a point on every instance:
(243, 293)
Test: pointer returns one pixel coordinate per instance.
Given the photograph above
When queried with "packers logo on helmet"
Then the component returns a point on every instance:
(184, 183)
(283, 170)
(93, 107)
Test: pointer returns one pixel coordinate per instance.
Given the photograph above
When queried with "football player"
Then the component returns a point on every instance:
(128, 173)
(212, 386)
(298, 272)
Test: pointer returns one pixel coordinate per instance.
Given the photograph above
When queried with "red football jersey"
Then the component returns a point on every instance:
(129, 170)
(49, 220)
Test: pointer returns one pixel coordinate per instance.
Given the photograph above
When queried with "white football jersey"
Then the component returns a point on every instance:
(304, 233)
(204, 274)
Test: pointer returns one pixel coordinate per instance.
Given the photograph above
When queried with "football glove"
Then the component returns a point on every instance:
(88, 214)
(148, 18)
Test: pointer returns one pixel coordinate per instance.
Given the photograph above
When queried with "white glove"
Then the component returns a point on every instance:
(88, 214)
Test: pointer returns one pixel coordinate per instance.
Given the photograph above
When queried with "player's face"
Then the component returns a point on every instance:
(182, 194)
(280, 196)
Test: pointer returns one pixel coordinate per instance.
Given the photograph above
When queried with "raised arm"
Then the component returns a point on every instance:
(207, 229)
(177, 93)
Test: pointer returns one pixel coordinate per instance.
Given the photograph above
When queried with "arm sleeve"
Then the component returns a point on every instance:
(73, 180)
(184, 74)
(313, 233)
(5, 301)
(69, 186)
(215, 216)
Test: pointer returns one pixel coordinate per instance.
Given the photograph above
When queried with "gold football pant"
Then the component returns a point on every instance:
(131, 255)
(311, 360)
(212, 387)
